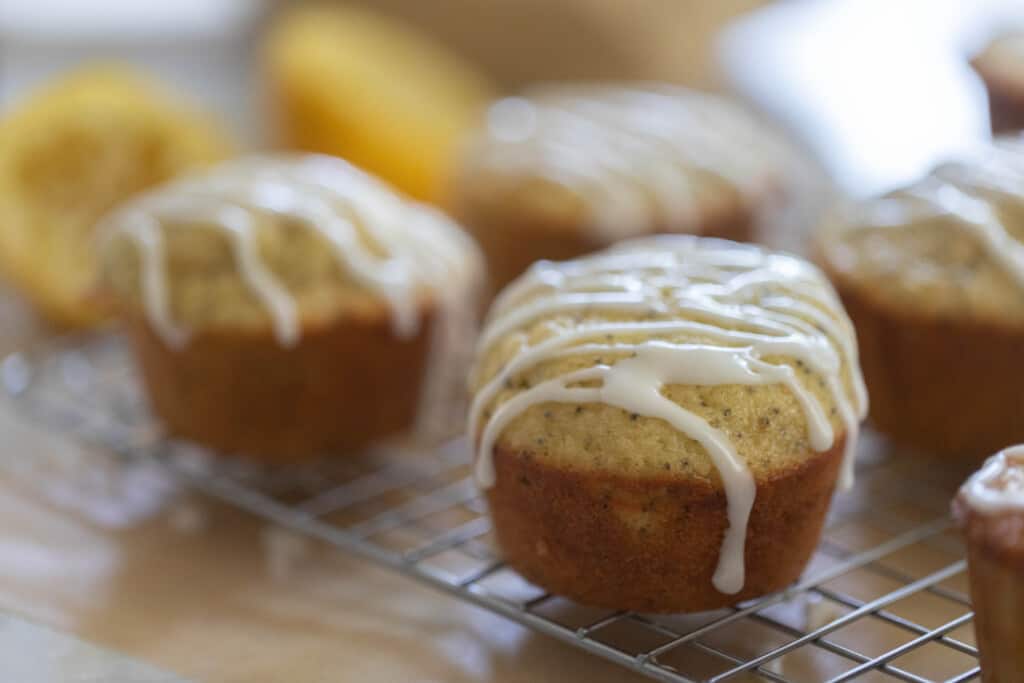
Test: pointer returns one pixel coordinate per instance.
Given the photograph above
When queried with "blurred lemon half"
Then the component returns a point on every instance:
(68, 153)
(356, 84)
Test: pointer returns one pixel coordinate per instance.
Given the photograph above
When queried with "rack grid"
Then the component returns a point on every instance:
(884, 598)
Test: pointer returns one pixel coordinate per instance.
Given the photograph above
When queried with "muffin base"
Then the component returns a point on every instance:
(997, 594)
(511, 246)
(652, 545)
(345, 384)
(948, 387)
(995, 564)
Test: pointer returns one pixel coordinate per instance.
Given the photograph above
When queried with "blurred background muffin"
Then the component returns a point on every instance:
(569, 169)
(286, 308)
(933, 278)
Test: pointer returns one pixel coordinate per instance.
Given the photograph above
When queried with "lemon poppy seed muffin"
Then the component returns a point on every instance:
(565, 170)
(1001, 67)
(288, 307)
(933, 278)
(660, 426)
(990, 509)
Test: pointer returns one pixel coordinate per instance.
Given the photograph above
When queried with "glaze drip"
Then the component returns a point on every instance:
(634, 155)
(675, 311)
(999, 485)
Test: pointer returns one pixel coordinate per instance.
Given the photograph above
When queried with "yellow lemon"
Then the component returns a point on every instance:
(68, 153)
(356, 84)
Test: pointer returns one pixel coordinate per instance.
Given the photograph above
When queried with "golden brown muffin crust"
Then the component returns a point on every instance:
(651, 545)
(349, 382)
(946, 385)
(999, 535)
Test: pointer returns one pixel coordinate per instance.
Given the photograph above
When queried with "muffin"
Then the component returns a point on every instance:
(285, 308)
(359, 84)
(68, 153)
(1001, 68)
(990, 510)
(660, 426)
(566, 170)
(933, 278)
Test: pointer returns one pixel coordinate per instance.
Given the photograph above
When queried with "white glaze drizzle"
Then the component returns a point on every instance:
(632, 154)
(967, 194)
(999, 485)
(424, 253)
(713, 296)
(154, 280)
(978, 216)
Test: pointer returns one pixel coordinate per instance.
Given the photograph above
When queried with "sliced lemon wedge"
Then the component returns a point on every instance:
(68, 153)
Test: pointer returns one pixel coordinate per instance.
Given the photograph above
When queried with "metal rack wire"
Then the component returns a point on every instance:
(884, 598)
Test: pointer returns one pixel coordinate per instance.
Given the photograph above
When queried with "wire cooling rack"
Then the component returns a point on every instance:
(884, 597)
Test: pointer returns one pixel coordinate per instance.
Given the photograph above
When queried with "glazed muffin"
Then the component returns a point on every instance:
(990, 510)
(285, 308)
(68, 153)
(660, 426)
(933, 278)
(1001, 68)
(567, 170)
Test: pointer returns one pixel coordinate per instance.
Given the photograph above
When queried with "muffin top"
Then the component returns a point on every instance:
(948, 246)
(619, 161)
(753, 343)
(285, 243)
(990, 505)
(999, 485)
(676, 358)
